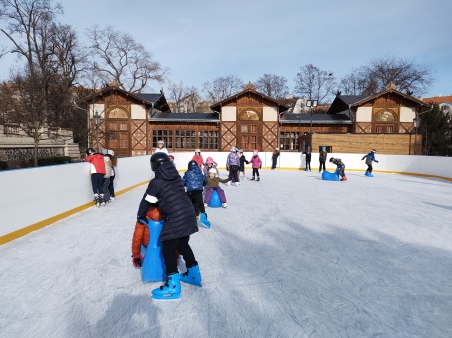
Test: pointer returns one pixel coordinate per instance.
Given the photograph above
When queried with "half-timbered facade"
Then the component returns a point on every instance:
(132, 124)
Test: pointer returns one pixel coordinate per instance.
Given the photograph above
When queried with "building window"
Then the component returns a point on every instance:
(384, 129)
(208, 139)
(165, 135)
(289, 140)
(185, 139)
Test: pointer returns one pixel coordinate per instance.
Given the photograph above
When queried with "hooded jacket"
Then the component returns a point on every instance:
(194, 179)
(370, 157)
(233, 159)
(167, 190)
(256, 162)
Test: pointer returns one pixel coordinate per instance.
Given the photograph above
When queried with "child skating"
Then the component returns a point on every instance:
(340, 167)
(243, 160)
(194, 181)
(370, 157)
(233, 165)
(167, 191)
(256, 164)
(213, 183)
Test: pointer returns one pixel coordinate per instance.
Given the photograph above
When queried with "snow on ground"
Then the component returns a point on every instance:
(291, 256)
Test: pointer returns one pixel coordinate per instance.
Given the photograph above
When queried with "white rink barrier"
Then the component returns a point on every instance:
(35, 197)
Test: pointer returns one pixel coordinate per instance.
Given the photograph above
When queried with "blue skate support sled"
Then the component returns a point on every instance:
(327, 176)
(215, 201)
(153, 265)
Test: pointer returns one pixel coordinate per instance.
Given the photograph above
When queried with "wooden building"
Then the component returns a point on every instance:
(132, 124)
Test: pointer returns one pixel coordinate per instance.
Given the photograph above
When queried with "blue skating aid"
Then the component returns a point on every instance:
(327, 176)
(215, 200)
(153, 265)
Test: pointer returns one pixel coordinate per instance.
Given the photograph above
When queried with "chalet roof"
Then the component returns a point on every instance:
(387, 91)
(249, 89)
(156, 100)
(184, 117)
(152, 98)
(316, 119)
(351, 99)
(438, 99)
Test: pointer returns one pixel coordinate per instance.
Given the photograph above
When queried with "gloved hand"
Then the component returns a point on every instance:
(376, 161)
(260, 167)
(136, 260)
(227, 168)
(142, 220)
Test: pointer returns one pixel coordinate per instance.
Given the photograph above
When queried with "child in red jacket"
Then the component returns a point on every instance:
(97, 174)
(256, 164)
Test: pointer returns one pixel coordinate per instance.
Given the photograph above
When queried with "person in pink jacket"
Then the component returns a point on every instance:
(97, 174)
(256, 164)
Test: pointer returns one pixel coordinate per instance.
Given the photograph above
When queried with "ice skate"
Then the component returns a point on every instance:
(237, 184)
(205, 205)
(204, 220)
(102, 200)
(97, 200)
(224, 205)
(229, 182)
(258, 178)
(320, 170)
(370, 175)
(170, 290)
(192, 276)
(252, 178)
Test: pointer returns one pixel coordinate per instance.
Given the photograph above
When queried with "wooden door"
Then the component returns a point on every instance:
(118, 137)
(249, 136)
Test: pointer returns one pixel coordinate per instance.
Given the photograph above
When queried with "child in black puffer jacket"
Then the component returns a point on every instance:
(243, 160)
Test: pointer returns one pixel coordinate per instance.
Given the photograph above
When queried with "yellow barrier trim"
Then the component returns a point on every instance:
(36, 226)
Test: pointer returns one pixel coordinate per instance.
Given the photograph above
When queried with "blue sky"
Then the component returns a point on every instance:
(201, 40)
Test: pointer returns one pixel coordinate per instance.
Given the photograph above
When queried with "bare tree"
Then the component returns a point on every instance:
(222, 87)
(314, 83)
(353, 83)
(272, 85)
(118, 57)
(409, 76)
(193, 100)
(40, 89)
(176, 92)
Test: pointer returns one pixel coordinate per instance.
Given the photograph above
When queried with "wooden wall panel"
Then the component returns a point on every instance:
(228, 135)
(138, 137)
(399, 144)
(269, 136)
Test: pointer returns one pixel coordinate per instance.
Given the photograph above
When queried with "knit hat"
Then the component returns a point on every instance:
(212, 171)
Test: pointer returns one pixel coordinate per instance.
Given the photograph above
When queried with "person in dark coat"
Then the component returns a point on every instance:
(167, 191)
(243, 160)
(308, 160)
(275, 156)
(322, 158)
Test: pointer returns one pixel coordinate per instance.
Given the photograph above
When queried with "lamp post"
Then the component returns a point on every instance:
(310, 104)
(96, 118)
(417, 123)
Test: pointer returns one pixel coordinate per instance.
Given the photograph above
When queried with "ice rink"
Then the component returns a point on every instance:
(291, 256)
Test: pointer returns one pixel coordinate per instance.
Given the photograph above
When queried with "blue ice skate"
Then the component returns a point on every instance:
(192, 276)
(306, 169)
(204, 220)
(170, 290)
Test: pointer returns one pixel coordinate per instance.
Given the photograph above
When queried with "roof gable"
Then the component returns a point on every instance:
(249, 90)
(154, 100)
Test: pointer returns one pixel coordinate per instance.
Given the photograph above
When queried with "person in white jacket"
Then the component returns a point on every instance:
(161, 147)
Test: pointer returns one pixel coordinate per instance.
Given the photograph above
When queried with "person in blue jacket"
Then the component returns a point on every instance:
(370, 157)
(167, 192)
(194, 181)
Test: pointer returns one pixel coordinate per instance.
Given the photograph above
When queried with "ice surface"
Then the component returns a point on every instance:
(291, 256)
